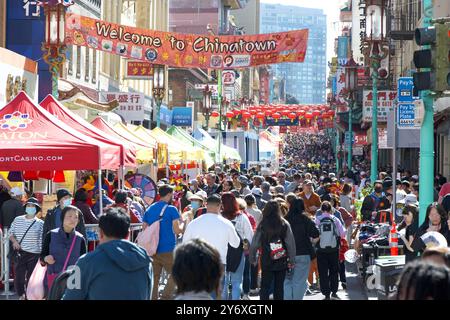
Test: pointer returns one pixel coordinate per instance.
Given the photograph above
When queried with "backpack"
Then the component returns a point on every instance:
(234, 255)
(149, 238)
(329, 238)
(277, 252)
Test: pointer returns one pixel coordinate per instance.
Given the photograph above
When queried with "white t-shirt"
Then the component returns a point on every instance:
(214, 229)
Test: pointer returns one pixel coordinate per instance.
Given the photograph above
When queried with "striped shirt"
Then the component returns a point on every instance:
(32, 242)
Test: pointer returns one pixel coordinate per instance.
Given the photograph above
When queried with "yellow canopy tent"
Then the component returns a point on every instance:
(192, 153)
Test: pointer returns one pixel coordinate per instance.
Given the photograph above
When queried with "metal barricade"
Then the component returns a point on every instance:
(4, 239)
(92, 232)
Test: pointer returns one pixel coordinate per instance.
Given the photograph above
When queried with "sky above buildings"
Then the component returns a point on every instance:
(331, 9)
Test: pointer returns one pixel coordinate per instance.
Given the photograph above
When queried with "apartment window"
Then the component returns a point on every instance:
(78, 62)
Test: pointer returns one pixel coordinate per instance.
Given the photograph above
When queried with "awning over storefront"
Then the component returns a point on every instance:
(144, 154)
(33, 139)
(127, 154)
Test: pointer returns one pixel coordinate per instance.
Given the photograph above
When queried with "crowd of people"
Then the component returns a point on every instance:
(224, 235)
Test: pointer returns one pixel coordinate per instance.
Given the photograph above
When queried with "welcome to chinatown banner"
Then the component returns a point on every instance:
(186, 50)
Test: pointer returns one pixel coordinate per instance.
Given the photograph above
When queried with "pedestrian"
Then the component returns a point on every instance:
(12, 208)
(26, 237)
(211, 186)
(375, 203)
(345, 197)
(411, 219)
(227, 186)
(117, 269)
(331, 230)
(297, 181)
(343, 248)
(423, 280)
(80, 199)
(170, 227)
(274, 236)
(305, 234)
(250, 272)
(53, 218)
(265, 188)
(213, 228)
(190, 257)
(310, 198)
(439, 255)
(234, 277)
(106, 201)
(122, 201)
(260, 202)
(436, 219)
(245, 190)
(252, 209)
(62, 246)
(282, 180)
(191, 211)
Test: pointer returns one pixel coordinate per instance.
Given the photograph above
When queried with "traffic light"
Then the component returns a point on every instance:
(436, 58)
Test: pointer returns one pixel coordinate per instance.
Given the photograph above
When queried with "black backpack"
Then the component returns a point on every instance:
(234, 255)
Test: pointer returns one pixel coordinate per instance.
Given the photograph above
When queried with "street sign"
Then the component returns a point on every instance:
(347, 137)
(406, 115)
(405, 89)
(420, 112)
(228, 77)
(138, 70)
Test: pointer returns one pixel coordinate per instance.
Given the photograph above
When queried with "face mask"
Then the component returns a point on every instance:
(378, 190)
(31, 211)
(67, 202)
(195, 205)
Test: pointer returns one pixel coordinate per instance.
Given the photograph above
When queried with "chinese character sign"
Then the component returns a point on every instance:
(139, 70)
(131, 105)
(385, 104)
(187, 50)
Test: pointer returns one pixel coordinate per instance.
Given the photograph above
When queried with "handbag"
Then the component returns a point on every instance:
(14, 254)
(35, 288)
(312, 250)
(234, 255)
(52, 276)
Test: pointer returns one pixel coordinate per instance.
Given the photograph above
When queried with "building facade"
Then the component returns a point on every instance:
(304, 81)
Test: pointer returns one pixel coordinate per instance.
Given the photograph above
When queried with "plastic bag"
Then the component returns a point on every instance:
(35, 289)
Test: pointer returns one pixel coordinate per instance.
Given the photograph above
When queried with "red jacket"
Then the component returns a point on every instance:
(251, 218)
(343, 249)
(133, 216)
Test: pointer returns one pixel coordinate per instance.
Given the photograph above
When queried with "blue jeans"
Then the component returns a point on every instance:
(236, 282)
(295, 287)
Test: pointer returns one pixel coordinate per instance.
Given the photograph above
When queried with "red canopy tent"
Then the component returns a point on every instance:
(127, 152)
(32, 139)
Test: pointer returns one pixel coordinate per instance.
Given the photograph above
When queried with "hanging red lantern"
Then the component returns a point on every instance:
(260, 115)
(285, 113)
(214, 114)
(301, 113)
(268, 113)
(292, 115)
(316, 113)
(246, 115)
(236, 112)
(309, 115)
(253, 112)
(276, 115)
(230, 114)
(331, 113)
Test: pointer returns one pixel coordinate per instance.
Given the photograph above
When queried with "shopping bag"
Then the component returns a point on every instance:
(35, 289)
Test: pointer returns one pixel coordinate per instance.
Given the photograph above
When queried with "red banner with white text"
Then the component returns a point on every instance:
(186, 50)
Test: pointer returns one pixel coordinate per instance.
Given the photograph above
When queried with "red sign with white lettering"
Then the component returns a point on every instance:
(139, 69)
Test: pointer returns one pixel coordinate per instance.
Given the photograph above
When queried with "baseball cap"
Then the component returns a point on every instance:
(16, 191)
(243, 179)
(257, 192)
(308, 182)
(410, 199)
(61, 193)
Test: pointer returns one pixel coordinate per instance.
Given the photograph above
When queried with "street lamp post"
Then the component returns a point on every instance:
(207, 92)
(350, 83)
(54, 46)
(159, 89)
(376, 50)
